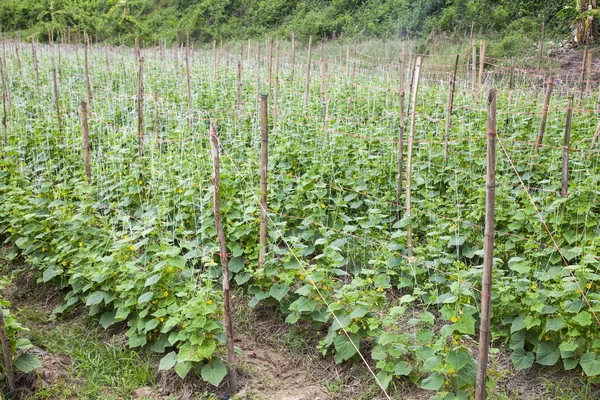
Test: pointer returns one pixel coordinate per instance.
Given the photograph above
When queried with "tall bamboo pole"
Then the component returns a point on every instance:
(140, 101)
(541, 47)
(473, 64)
(87, 72)
(540, 136)
(86, 142)
(264, 155)
(488, 250)
(293, 66)
(401, 132)
(566, 142)
(55, 90)
(307, 88)
(449, 109)
(583, 68)
(189, 86)
(35, 67)
(411, 138)
(481, 61)
(214, 141)
(276, 89)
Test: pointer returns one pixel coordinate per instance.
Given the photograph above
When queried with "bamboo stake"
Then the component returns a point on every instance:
(55, 89)
(353, 73)
(141, 109)
(17, 53)
(4, 114)
(327, 98)
(239, 89)
(10, 377)
(264, 155)
(488, 250)
(540, 136)
(189, 87)
(276, 89)
(321, 75)
(306, 90)
(293, 66)
(541, 47)
(156, 135)
(87, 73)
(473, 64)
(347, 61)
(588, 73)
(449, 109)
(409, 242)
(35, 67)
(214, 141)
(583, 68)
(481, 61)
(270, 53)
(86, 143)
(565, 158)
(215, 59)
(401, 132)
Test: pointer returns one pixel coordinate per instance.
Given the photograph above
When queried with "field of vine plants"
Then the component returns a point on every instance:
(137, 245)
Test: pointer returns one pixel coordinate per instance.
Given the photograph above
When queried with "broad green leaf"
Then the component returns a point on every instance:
(590, 364)
(344, 347)
(27, 363)
(279, 290)
(214, 372)
(522, 359)
(108, 318)
(152, 280)
(433, 382)
(402, 368)
(183, 368)
(95, 298)
(168, 361)
(547, 353)
(146, 297)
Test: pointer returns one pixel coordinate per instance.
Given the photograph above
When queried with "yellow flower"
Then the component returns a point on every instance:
(64, 263)
(80, 244)
(451, 371)
(453, 319)
(140, 182)
(323, 205)
(5, 169)
(588, 285)
(301, 277)
(115, 273)
(180, 191)
(132, 247)
(43, 249)
(380, 289)
(162, 319)
(125, 237)
(209, 302)
(47, 229)
(325, 287)
(533, 287)
(169, 269)
(302, 189)
(287, 260)
(166, 294)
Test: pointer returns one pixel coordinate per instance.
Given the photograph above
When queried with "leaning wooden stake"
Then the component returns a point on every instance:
(401, 133)
(140, 100)
(55, 90)
(583, 68)
(596, 135)
(214, 142)
(474, 65)
(488, 250)
(566, 142)
(86, 142)
(264, 155)
(540, 136)
(307, 88)
(588, 73)
(10, 377)
(449, 109)
(411, 137)
(35, 67)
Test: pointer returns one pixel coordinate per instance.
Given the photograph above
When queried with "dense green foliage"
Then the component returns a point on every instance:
(205, 20)
(138, 245)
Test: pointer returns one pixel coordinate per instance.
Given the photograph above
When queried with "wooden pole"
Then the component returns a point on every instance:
(327, 98)
(156, 135)
(473, 64)
(55, 90)
(4, 113)
(35, 67)
(86, 142)
(276, 89)
(488, 250)
(293, 66)
(239, 89)
(540, 136)
(583, 68)
(409, 242)
(87, 72)
(481, 61)
(189, 87)
(541, 48)
(347, 61)
(269, 77)
(140, 100)
(401, 132)
(321, 75)
(449, 109)
(307, 88)
(565, 158)
(588, 73)
(10, 377)
(215, 59)
(214, 141)
(264, 155)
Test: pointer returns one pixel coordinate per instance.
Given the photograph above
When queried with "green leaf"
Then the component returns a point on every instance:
(458, 359)
(189, 352)
(50, 273)
(183, 368)
(214, 373)
(152, 280)
(95, 298)
(589, 364)
(433, 382)
(168, 361)
(27, 363)
(547, 353)
(522, 359)
(108, 318)
(146, 297)
(384, 378)
(402, 368)
(555, 324)
(207, 348)
(570, 363)
(344, 347)
(584, 318)
(279, 290)
(517, 324)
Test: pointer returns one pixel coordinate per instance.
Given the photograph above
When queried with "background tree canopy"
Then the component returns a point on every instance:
(205, 20)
